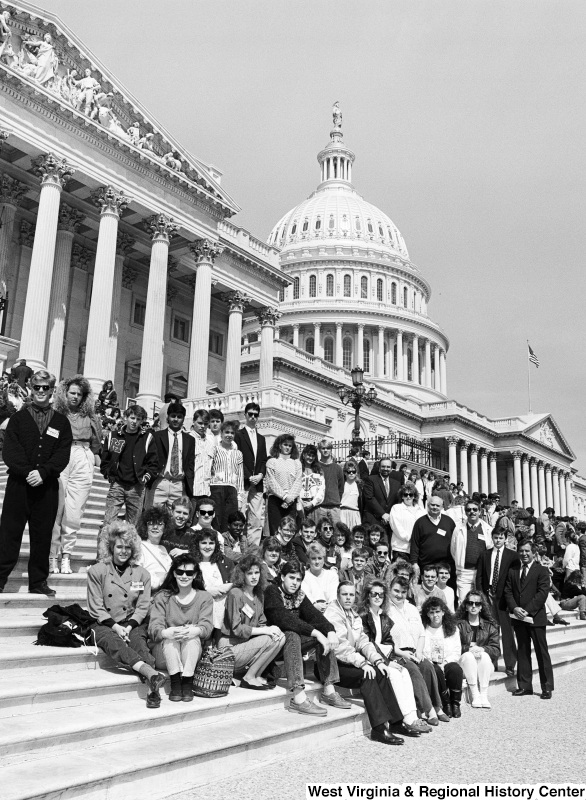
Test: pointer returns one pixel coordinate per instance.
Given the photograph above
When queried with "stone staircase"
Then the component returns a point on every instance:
(72, 725)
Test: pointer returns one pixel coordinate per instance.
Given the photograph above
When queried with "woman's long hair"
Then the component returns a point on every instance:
(485, 612)
(170, 582)
(86, 407)
(315, 466)
(449, 626)
(107, 539)
(276, 448)
(155, 514)
(243, 566)
(364, 601)
(207, 533)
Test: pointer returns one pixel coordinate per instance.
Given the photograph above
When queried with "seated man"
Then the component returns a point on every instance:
(428, 586)
(356, 574)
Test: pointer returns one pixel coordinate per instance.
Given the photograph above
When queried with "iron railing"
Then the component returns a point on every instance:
(399, 448)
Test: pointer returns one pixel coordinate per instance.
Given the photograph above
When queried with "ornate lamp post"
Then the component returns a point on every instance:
(357, 397)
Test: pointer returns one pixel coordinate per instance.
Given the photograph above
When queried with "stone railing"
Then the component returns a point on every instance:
(246, 241)
(281, 349)
(233, 403)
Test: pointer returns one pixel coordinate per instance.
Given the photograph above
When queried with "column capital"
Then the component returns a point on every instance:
(548, 468)
(27, 233)
(360, 326)
(128, 276)
(52, 170)
(492, 456)
(555, 471)
(205, 251)
(381, 329)
(532, 461)
(540, 465)
(453, 440)
(464, 445)
(317, 325)
(267, 316)
(124, 243)
(69, 218)
(4, 134)
(568, 476)
(474, 448)
(161, 227)
(109, 200)
(236, 300)
(339, 325)
(296, 326)
(517, 454)
(80, 256)
(11, 190)
(483, 452)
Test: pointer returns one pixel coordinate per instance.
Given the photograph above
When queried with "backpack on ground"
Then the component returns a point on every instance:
(66, 626)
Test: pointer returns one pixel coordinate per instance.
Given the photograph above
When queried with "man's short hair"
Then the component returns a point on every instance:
(288, 524)
(205, 501)
(528, 541)
(176, 408)
(324, 443)
(202, 414)
(308, 523)
(360, 552)
(171, 398)
(252, 406)
(215, 413)
(137, 410)
(430, 568)
(43, 375)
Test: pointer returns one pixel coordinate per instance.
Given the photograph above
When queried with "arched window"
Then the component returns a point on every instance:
(380, 230)
(305, 225)
(281, 295)
(358, 224)
(394, 294)
(379, 289)
(330, 285)
(295, 288)
(329, 349)
(318, 223)
(347, 353)
(312, 286)
(364, 287)
(370, 228)
(332, 223)
(294, 228)
(386, 359)
(310, 345)
(405, 297)
(366, 365)
(347, 286)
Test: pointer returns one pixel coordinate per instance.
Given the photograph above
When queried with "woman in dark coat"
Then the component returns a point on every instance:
(480, 646)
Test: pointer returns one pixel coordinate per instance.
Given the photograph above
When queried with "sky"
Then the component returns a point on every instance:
(467, 118)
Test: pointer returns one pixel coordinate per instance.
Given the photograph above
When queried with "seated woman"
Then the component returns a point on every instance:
(324, 531)
(215, 570)
(153, 556)
(235, 537)
(270, 551)
(180, 538)
(118, 598)
(180, 620)
(255, 644)
(440, 644)
(320, 585)
(407, 629)
(375, 535)
(479, 637)
(574, 594)
(386, 691)
(343, 545)
(287, 607)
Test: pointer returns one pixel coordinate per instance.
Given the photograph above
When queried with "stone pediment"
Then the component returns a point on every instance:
(547, 433)
(40, 52)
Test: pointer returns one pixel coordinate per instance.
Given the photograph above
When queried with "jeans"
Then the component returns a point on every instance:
(573, 603)
(130, 497)
(255, 514)
(125, 655)
(295, 646)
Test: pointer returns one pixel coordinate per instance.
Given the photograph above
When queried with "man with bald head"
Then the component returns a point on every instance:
(432, 537)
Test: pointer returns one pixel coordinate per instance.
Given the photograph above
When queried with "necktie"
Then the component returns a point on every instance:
(495, 572)
(175, 458)
(386, 482)
(523, 576)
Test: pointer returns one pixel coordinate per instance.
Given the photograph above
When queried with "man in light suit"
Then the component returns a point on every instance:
(491, 575)
(526, 591)
(380, 493)
(176, 454)
(253, 447)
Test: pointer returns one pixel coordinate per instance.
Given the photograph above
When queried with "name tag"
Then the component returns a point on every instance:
(52, 432)
(137, 586)
(248, 611)
(440, 532)
(332, 559)
(481, 536)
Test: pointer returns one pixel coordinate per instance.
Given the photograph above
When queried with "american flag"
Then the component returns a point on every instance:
(532, 357)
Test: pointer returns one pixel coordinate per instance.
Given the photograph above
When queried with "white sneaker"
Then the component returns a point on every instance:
(66, 564)
(484, 700)
(475, 700)
(54, 565)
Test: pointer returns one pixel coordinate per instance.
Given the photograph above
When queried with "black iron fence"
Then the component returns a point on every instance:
(399, 448)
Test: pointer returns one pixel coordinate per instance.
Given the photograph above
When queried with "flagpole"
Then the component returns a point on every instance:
(528, 376)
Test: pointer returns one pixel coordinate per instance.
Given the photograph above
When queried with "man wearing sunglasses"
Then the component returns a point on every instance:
(37, 447)
(469, 541)
(253, 447)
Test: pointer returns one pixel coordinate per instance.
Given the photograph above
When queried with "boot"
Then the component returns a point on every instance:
(455, 700)
(445, 696)
(66, 564)
(187, 689)
(54, 570)
(475, 700)
(484, 697)
(175, 695)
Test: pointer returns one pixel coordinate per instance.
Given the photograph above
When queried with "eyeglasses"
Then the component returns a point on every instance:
(189, 572)
(408, 494)
(203, 513)
(252, 414)
(326, 528)
(377, 594)
(41, 387)
(156, 525)
(382, 552)
(471, 510)
(474, 603)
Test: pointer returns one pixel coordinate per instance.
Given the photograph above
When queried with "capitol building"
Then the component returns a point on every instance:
(121, 257)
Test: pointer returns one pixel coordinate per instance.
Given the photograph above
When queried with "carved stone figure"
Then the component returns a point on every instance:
(134, 133)
(43, 57)
(102, 110)
(6, 51)
(88, 88)
(173, 160)
(146, 142)
(337, 115)
(27, 60)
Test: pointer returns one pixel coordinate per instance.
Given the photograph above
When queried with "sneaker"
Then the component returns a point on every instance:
(484, 700)
(419, 726)
(335, 700)
(66, 564)
(54, 565)
(307, 707)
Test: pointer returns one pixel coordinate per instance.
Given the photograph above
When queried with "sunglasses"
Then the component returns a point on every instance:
(203, 513)
(41, 387)
(382, 552)
(326, 528)
(408, 494)
(474, 603)
(189, 572)
(471, 510)
(252, 414)
(350, 472)
(377, 594)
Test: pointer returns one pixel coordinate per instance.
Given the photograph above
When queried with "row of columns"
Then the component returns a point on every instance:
(475, 480)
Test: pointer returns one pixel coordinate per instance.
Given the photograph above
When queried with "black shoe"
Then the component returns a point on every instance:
(546, 694)
(400, 728)
(557, 620)
(456, 712)
(522, 692)
(263, 687)
(187, 689)
(154, 683)
(382, 735)
(42, 588)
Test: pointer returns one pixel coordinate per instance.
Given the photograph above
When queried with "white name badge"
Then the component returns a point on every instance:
(52, 432)
(440, 532)
(137, 586)
(248, 611)
(481, 536)
(332, 559)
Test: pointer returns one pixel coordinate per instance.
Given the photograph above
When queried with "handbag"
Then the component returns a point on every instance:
(213, 676)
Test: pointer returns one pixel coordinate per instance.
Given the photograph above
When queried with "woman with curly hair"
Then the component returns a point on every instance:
(283, 480)
(255, 644)
(180, 620)
(152, 525)
(351, 501)
(74, 399)
(118, 598)
(216, 571)
(107, 398)
(313, 485)
(479, 637)
(440, 644)
(343, 545)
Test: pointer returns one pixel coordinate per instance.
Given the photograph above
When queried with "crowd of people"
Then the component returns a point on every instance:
(397, 582)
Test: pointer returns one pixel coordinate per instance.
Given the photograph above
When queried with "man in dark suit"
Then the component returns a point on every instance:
(526, 591)
(176, 455)
(491, 575)
(36, 450)
(253, 447)
(380, 492)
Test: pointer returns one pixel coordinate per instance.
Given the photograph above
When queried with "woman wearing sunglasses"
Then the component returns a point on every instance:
(402, 519)
(480, 646)
(325, 536)
(180, 620)
(351, 503)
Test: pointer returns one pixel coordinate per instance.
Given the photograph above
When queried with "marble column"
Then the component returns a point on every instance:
(517, 455)
(464, 465)
(534, 485)
(317, 343)
(562, 490)
(474, 468)
(443, 373)
(97, 352)
(205, 253)
(296, 335)
(569, 495)
(541, 484)
(548, 487)
(400, 374)
(267, 318)
(360, 347)
(20, 282)
(152, 359)
(380, 365)
(436, 382)
(11, 192)
(428, 364)
(526, 482)
(236, 303)
(339, 345)
(390, 365)
(510, 483)
(484, 472)
(556, 491)
(124, 244)
(493, 473)
(415, 362)
(54, 174)
(69, 221)
(453, 458)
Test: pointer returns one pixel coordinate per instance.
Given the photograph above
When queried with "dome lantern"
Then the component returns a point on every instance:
(336, 159)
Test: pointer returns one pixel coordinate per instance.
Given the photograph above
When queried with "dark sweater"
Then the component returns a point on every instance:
(334, 480)
(25, 449)
(302, 620)
(427, 545)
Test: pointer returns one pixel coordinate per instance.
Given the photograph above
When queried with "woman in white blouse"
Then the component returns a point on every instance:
(313, 485)
(571, 561)
(320, 585)
(153, 523)
(440, 644)
(402, 519)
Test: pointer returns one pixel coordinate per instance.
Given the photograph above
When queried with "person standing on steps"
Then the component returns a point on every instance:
(74, 399)
(254, 453)
(37, 448)
(176, 456)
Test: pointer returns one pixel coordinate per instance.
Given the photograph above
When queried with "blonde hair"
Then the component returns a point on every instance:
(107, 540)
